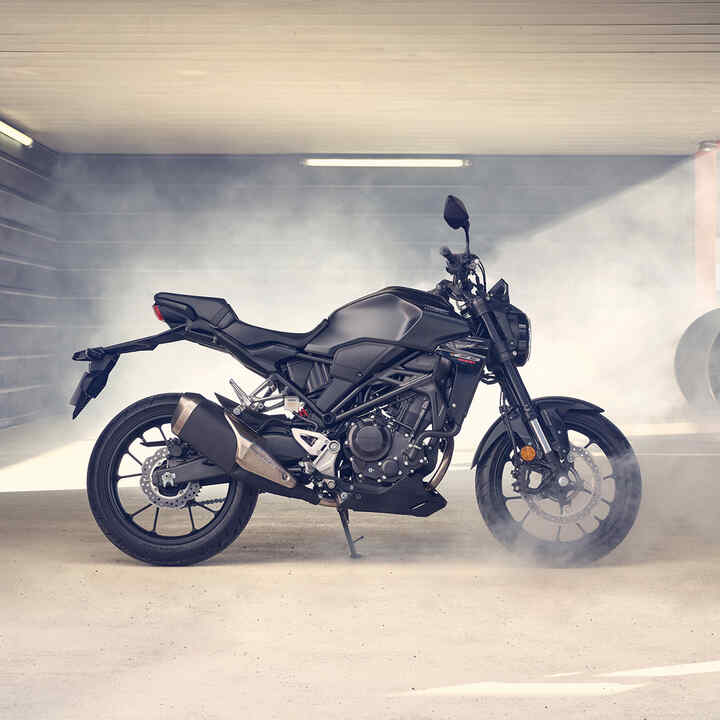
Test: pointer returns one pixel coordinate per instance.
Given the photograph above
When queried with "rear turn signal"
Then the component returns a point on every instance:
(527, 453)
(158, 314)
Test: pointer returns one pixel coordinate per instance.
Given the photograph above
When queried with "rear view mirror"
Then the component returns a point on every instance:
(455, 213)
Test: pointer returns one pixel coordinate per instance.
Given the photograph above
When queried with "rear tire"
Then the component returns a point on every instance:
(593, 544)
(118, 525)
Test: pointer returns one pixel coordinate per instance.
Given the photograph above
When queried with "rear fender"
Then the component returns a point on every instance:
(92, 382)
(551, 409)
(103, 359)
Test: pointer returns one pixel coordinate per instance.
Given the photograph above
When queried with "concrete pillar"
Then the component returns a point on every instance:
(706, 202)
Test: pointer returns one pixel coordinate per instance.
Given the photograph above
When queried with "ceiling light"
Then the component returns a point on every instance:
(394, 162)
(16, 135)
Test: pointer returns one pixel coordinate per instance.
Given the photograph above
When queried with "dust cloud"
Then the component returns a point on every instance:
(606, 287)
(609, 289)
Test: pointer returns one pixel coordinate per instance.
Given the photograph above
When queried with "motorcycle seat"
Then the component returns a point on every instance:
(218, 313)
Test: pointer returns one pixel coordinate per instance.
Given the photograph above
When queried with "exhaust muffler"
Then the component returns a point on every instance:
(225, 440)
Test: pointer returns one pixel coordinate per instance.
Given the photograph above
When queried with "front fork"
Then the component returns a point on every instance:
(552, 438)
(554, 442)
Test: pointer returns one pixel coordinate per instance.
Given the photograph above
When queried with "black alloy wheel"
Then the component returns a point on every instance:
(571, 525)
(160, 524)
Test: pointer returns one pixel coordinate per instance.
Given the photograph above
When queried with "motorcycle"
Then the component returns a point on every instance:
(359, 414)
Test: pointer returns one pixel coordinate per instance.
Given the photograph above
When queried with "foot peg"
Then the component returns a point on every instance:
(344, 519)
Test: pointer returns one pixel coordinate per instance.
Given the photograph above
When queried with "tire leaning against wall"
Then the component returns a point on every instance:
(697, 362)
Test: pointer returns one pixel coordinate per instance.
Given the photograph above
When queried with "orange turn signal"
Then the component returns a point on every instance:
(527, 453)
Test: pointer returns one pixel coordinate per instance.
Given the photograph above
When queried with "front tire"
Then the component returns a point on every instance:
(131, 520)
(577, 536)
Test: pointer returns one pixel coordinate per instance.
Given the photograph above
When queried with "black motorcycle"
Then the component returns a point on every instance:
(367, 406)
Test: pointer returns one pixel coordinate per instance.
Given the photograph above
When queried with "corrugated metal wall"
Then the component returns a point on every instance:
(29, 318)
(83, 248)
(130, 219)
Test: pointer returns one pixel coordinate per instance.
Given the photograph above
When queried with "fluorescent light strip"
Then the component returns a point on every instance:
(396, 162)
(16, 135)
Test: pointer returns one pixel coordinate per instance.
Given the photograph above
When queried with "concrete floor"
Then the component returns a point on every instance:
(283, 625)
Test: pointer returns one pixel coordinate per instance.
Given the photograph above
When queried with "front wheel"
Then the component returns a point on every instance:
(157, 523)
(572, 525)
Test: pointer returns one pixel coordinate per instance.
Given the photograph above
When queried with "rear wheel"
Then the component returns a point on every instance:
(157, 523)
(578, 523)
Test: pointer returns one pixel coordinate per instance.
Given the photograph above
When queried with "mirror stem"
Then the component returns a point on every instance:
(466, 228)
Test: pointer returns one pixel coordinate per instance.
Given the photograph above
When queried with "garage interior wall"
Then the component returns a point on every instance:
(285, 243)
(130, 220)
(29, 311)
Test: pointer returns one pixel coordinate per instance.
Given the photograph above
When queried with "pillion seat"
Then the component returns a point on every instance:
(217, 311)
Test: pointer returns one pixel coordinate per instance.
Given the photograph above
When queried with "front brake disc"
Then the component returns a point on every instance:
(533, 500)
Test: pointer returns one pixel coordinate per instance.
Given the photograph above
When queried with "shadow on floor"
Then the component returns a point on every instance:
(678, 521)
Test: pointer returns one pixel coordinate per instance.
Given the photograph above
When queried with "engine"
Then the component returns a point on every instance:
(377, 445)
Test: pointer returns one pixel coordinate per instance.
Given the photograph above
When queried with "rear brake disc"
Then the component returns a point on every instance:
(183, 495)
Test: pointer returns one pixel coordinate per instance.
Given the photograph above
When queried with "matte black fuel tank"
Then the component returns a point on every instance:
(413, 318)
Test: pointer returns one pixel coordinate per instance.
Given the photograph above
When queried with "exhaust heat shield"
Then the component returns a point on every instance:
(225, 440)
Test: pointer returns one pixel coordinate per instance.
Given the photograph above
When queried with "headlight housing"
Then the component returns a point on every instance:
(521, 331)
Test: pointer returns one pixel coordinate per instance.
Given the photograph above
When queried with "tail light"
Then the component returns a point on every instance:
(158, 314)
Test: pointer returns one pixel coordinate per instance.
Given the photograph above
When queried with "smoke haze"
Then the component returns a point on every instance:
(606, 285)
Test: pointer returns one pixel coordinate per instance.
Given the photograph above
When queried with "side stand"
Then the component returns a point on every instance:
(344, 518)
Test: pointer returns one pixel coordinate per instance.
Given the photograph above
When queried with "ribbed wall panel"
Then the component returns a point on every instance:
(23, 242)
(29, 322)
(83, 248)
(25, 370)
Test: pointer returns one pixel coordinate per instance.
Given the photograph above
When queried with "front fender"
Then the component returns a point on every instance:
(561, 405)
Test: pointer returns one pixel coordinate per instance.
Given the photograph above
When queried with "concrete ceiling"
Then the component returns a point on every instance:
(360, 76)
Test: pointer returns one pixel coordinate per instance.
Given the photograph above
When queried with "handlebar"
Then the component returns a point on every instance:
(443, 289)
(460, 265)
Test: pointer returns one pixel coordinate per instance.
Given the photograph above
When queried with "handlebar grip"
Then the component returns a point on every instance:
(445, 252)
(443, 289)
